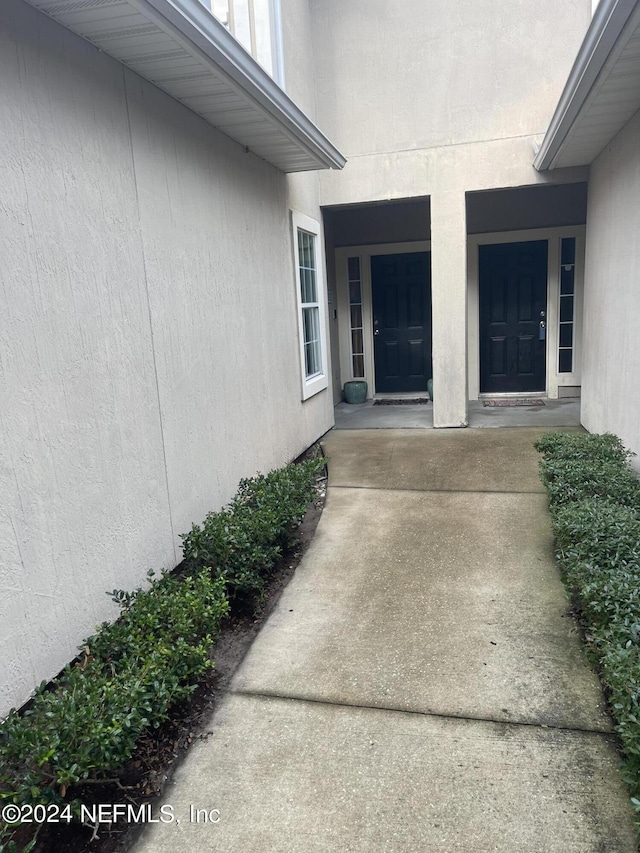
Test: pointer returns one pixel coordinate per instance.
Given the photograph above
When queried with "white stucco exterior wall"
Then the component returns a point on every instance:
(148, 335)
(611, 356)
(400, 78)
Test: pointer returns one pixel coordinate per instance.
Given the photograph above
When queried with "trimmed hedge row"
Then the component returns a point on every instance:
(85, 724)
(242, 543)
(594, 499)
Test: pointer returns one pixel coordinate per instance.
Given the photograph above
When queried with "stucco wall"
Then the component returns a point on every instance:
(403, 85)
(611, 360)
(414, 75)
(148, 335)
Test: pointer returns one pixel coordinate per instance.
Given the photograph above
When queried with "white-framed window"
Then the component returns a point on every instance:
(311, 296)
(256, 25)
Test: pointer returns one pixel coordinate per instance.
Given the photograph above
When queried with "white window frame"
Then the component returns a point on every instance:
(249, 38)
(318, 381)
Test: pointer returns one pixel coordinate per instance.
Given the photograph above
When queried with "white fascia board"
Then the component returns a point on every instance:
(192, 20)
(198, 25)
(604, 31)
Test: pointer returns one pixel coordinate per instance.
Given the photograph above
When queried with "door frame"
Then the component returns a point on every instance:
(365, 254)
(555, 380)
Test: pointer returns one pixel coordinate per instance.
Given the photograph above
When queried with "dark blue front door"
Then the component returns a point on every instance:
(401, 293)
(513, 301)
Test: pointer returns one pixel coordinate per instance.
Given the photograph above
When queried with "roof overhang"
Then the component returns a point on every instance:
(602, 92)
(180, 47)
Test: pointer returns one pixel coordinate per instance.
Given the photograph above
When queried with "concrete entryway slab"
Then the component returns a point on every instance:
(438, 460)
(368, 416)
(553, 414)
(295, 777)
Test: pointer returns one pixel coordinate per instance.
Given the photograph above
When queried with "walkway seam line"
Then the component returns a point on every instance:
(437, 491)
(257, 694)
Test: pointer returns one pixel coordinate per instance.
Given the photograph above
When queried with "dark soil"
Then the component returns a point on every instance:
(160, 752)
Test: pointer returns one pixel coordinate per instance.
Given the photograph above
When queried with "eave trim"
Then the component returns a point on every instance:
(605, 29)
(297, 144)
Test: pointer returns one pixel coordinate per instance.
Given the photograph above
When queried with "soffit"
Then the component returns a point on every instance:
(181, 48)
(589, 119)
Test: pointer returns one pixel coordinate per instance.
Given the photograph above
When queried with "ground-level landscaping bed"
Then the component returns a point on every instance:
(113, 727)
(594, 499)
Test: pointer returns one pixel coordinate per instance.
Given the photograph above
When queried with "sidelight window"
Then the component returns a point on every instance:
(355, 308)
(566, 331)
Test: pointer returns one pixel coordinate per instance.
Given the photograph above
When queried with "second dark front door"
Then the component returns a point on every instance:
(401, 293)
(513, 302)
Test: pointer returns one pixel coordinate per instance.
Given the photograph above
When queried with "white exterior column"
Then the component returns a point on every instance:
(449, 308)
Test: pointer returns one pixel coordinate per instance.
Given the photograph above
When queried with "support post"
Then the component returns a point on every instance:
(449, 308)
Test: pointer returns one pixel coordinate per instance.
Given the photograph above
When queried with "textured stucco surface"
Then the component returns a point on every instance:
(401, 76)
(148, 334)
(611, 360)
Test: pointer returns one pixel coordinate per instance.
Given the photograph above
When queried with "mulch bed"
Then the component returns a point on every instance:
(500, 404)
(160, 752)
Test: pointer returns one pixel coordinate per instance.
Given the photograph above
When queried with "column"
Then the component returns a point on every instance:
(449, 308)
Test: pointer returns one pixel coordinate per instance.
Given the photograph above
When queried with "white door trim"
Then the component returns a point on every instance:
(553, 236)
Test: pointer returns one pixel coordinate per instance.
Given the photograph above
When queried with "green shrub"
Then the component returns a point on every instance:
(574, 481)
(242, 543)
(85, 725)
(598, 548)
(594, 501)
(576, 466)
(598, 531)
(587, 446)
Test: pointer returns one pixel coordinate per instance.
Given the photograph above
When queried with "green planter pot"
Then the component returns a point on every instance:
(355, 391)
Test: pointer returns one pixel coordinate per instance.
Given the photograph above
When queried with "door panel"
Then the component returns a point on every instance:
(401, 293)
(513, 300)
(498, 353)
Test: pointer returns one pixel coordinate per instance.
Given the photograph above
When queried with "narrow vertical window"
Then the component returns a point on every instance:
(566, 313)
(355, 307)
(311, 290)
(309, 303)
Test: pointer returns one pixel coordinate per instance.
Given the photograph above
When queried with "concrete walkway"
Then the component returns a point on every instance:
(421, 685)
